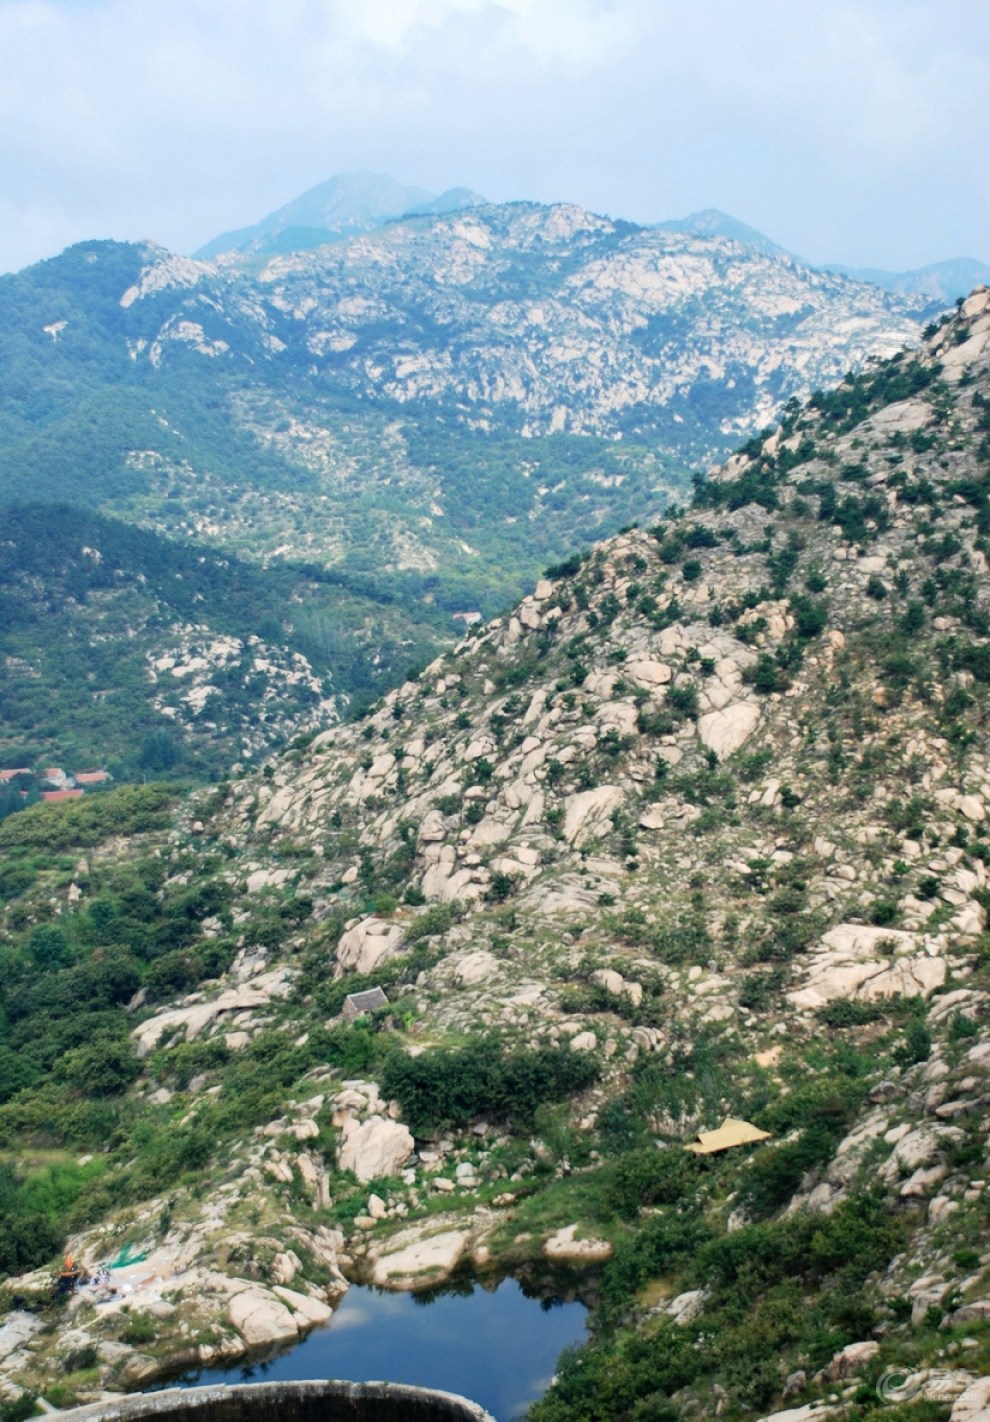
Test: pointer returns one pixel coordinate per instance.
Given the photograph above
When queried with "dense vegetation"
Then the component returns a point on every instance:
(86, 601)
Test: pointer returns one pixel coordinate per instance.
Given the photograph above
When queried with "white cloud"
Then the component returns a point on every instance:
(855, 129)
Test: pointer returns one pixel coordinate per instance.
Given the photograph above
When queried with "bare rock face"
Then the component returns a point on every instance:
(476, 968)
(375, 1148)
(973, 1404)
(586, 813)
(420, 1260)
(311, 1311)
(724, 731)
(367, 944)
(868, 963)
(261, 1318)
(256, 994)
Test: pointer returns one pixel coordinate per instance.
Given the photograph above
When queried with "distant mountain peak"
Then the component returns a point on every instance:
(452, 200)
(346, 205)
(712, 222)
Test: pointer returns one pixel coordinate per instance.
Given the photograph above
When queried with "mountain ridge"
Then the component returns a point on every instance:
(349, 204)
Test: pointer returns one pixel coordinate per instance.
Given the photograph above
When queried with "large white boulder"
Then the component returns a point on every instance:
(565, 1247)
(588, 812)
(646, 672)
(367, 944)
(724, 731)
(375, 1148)
(431, 828)
(261, 1318)
(973, 1403)
(419, 1262)
(476, 967)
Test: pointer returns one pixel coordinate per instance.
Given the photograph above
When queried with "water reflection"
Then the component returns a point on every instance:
(496, 1342)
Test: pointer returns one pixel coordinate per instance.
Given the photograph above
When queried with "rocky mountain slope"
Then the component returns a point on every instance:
(939, 283)
(545, 317)
(698, 830)
(710, 222)
(350, 204)
(385, 406)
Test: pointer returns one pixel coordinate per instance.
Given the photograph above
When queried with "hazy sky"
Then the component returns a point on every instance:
(847, 130)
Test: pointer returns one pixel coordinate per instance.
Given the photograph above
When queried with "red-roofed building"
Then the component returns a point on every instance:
(61, 794)
(54, 775)
(7, 775)
(92, 777)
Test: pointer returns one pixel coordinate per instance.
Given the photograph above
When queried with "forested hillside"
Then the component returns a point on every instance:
(147, 655)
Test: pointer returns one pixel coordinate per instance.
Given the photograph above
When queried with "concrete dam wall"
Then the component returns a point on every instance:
(287, 1402)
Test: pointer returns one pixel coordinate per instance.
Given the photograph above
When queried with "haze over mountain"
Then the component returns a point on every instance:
(713, 223)
(344, 206)
(939, 282)
(943, 282)
(353, 203)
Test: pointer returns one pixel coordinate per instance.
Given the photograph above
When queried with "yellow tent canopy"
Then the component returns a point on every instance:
(730, 1133)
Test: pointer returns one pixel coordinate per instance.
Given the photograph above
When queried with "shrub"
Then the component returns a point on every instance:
(810, 617)
(683, 700)
(845, 1012)
(435, 921)
(760, 991)
(775, 1173)
(916, 1045)
(142, 1328)
(18, 1409)
(79, 1359)
(651, 1177)
(448, 1087)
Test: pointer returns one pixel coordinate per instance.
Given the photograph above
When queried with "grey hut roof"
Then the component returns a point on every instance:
(367, 1001)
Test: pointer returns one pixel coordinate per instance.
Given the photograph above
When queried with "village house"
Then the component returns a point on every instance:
(92, 777)
(6, 776)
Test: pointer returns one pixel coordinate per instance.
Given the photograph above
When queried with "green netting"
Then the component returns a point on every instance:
(126, 1257)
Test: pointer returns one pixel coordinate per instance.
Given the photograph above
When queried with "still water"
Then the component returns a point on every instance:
(491, 1344)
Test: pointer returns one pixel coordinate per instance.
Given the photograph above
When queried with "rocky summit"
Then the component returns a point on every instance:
(692, 840)
(543, 317)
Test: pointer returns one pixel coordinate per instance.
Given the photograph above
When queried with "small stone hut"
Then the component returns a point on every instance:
(359, 1004)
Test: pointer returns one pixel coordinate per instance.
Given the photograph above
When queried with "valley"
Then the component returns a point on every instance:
(344, 448)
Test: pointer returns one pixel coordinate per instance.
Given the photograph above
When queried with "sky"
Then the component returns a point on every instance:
(854, 131)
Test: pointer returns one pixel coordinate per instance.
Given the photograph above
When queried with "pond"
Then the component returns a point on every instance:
(496, 1343)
